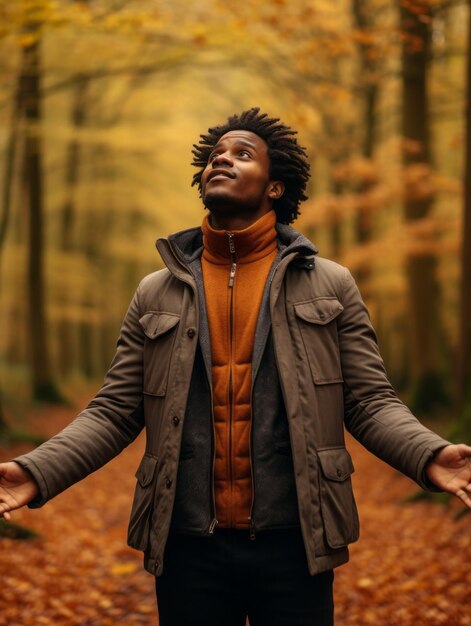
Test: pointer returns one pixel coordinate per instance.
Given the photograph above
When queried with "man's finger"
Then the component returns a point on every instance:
(464, 497)
(464, 450)
(4, 511)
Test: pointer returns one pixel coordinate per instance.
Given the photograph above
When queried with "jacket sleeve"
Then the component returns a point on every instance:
(373, 413)
(111, 421)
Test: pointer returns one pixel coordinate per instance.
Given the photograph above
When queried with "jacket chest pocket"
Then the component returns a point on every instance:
(317, 323)
(160, 329)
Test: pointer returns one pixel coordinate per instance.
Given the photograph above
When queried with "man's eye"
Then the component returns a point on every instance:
(245, 153)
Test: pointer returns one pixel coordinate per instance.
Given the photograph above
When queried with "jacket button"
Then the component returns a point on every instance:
(156, 566)
(175, 420)
(191, 332)
(168, 483)
(339, 472)
(321, 315)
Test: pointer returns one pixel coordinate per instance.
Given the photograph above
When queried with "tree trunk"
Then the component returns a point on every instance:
(339, 151)
(78, 115)
(464, 350)
(30, 98)
(10, 158)
(370, 91)
(423, 291)
(67, 330)
(12, 144)
(3, 423)
(79, 98)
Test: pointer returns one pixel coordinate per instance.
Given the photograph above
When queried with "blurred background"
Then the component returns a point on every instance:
(100, 103)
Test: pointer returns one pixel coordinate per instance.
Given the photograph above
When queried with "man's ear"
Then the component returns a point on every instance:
(275, 189)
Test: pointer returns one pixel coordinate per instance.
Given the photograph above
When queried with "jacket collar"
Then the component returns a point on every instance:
(187, 245)
(292, 240)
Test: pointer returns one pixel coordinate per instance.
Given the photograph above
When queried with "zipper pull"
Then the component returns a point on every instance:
(230, 236)
(232, 274)
(252, 530)
(231, 243)
(212, 526)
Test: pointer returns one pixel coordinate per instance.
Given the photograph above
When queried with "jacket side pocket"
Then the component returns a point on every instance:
(339, 511)
(141, 512)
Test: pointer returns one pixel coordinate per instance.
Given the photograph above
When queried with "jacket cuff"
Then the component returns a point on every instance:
(427, 456)
(28, 465)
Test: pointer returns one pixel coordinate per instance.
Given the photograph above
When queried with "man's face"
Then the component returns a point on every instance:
(236, 179)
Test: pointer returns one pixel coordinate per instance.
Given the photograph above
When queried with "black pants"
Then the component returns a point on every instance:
(221, 580)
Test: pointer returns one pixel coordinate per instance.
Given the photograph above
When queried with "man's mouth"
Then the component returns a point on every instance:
(219, 172)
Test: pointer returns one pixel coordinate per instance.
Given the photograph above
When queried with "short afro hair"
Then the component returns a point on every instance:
(288, 160)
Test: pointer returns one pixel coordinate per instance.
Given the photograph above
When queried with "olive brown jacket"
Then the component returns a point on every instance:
(329, 372)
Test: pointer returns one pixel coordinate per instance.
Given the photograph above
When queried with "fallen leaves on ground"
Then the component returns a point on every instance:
(410, 567)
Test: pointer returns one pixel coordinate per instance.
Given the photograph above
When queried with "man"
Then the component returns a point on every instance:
(243, 359)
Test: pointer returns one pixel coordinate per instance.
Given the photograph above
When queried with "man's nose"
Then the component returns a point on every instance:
(221, 159)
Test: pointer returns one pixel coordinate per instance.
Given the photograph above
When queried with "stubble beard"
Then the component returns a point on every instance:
(222, 204)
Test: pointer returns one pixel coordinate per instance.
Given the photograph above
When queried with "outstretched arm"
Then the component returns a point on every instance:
(373, 413)
(17, 488)
(450, 471)
(112, 420)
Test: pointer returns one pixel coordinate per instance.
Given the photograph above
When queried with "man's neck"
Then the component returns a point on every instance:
(231, 223)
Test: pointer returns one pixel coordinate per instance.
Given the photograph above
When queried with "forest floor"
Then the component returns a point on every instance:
(410, 567)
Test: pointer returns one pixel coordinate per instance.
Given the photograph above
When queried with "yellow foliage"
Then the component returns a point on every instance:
(156, 73)
(122, 569)
(26, 40)
(357, 170)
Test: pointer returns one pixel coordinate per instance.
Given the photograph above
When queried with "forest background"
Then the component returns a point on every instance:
(100, 103)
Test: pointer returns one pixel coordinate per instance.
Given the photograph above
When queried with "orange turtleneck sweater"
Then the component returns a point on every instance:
(235, 268)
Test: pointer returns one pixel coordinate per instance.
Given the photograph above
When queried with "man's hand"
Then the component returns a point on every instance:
(450, 470)
(17, 488)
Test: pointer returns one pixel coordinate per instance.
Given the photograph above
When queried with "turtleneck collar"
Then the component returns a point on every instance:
(250, 244)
